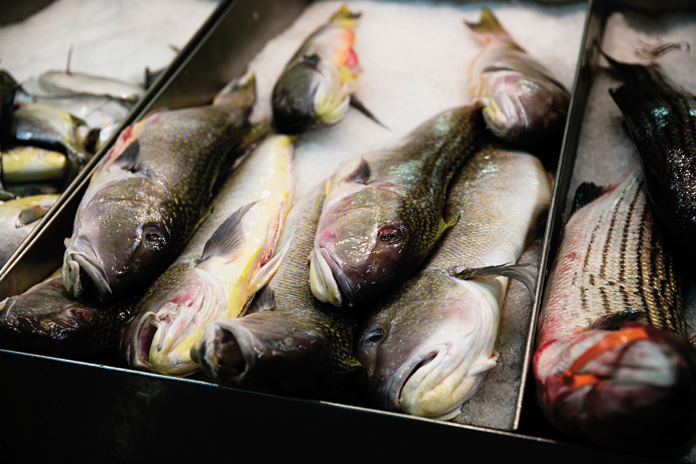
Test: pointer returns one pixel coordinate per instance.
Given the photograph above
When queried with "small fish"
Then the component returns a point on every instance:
(290, 343)
(18, 218)
(46, 320)
(318, 83)
(96, 111)
(72, 83)
(426, 348)
(31, 164)
(150, 193)
(612, 364)
(523, 103)
(661, 119)
(383, 209)
(226, 262)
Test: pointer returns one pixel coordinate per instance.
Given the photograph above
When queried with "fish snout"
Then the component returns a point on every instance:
(83, 271)
(220, 353)
(323, 273)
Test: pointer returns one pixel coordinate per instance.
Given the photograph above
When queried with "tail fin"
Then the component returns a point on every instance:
(487, 27)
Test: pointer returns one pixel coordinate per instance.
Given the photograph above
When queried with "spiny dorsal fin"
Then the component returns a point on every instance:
(361, 174)
(264, 300)
(523, 272)
(358, 105)
(228, 236)
(586, 193)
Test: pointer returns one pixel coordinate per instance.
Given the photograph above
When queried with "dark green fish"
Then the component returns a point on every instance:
(383, 211)
(149, 194)
(661, 119)
(290, 343)
(46, 320)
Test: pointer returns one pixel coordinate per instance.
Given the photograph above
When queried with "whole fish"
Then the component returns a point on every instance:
(290, 343)
(46, 320)
(383, 210)
(612, 365)
(149, 194)
(71, 83)
(523, 103)
(318, 84)
(18, 218)
(31, 164)
(426, 348)
(96, 111)
(661, 119)
(226, 262)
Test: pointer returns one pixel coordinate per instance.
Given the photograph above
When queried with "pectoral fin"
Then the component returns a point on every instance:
(264, 300)
(29, 215)
(265, 273)
(482, 366)
(358, 105)
(228, 237)
(523, 272)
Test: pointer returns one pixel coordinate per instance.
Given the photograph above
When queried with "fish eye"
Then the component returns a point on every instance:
(373, 337)
(154, 237)
(390, 234)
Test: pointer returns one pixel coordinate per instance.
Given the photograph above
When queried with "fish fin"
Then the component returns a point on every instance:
(585, 194)
(481, 367)
(345, 13)
(237, 92)
(29, 215)
(128, 159)
(622, 99)
(361, 175)
(228, 237)
(312, 60)
(6, 195)
(523, 272)
(448, 223)
(267, 270)
(612, 321)
(358, 105)
(488, 25)
(264, 300)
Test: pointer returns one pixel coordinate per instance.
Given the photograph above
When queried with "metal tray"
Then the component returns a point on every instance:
(57, 409)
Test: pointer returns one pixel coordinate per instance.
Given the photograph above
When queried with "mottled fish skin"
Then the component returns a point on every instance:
(426, 348)
(202, 285)
(18, 218)
(383, 209)
(316, 85)
(612, 365)
(298, 345)
(523, 103)
(661, 119)
(149, 194)
(46, 320)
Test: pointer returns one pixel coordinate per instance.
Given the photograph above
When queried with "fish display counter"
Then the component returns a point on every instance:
(410, 65)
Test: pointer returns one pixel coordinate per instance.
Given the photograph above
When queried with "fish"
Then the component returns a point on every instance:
(150, 192)
(74, 83)
(289, 342)
(426, 347)
(523, 103)
(18, 218)
(8, 89)
(383, 209)
(97, 111)
(318, 84)
(31, 164)
(46, 320)
(612, 364)
(661, 119)
(226, 262)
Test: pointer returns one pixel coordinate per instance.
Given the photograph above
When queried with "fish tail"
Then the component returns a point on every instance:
(487, 27)
(344, 14)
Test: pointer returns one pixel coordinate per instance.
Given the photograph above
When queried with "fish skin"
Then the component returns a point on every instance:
(72, 83)
(523, 103)
(149, 193)
(614, 277)
(316, 85)
(296, 345)
(31, 164)
(201, 286)
(426, 348)
(18, 218)
(383, 209)
(46, 320)
(661, 119)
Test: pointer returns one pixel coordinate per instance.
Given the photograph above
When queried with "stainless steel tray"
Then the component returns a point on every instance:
(57, 409)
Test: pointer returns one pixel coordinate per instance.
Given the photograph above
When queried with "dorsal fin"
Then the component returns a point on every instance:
(361, 174)
(312, 60)
(228, 237)
(585, 194)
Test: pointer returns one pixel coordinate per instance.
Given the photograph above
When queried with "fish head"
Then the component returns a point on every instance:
(122, 238)
(630, 388)
(311, 92)
(427, 355)
(45, 320)
(365, 244)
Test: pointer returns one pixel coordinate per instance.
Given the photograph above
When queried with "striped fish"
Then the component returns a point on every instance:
(612, 365)
(661, 119)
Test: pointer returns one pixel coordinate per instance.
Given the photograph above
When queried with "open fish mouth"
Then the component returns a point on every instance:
(329, 283)
(223, 352)
(82, 267)
(139, 353)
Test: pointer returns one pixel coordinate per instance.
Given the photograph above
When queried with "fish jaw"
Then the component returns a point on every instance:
(321, 279)
(431, 370)
(81, 267)
(636, 394)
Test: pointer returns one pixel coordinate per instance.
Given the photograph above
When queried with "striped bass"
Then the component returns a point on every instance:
(226, 262)
(426, 348)
(612, 365)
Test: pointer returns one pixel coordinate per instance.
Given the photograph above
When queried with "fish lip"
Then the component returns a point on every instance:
(210, 352)
(94, 271)
(345, 289)
(324, 284)
(138, 356)
(406, 371)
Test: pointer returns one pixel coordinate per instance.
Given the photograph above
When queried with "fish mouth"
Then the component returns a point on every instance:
(138, 355)
(224, 352)
(81, 268)
(328, 282)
